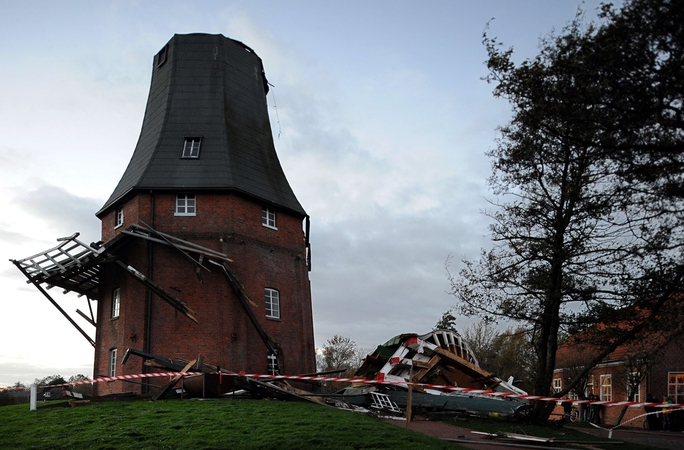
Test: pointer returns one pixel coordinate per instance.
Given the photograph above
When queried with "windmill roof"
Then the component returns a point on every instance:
(213, 88)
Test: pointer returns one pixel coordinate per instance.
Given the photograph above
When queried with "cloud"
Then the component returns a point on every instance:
(12, 237)
(63, 212)
(26, 371)
(377, 276)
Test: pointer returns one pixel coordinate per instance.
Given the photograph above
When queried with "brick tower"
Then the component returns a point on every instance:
(205, 215)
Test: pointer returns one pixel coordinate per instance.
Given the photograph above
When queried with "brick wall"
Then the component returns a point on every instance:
(262, 257)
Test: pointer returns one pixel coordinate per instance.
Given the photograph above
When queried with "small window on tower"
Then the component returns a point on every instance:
(161, 56)
(272, 303)
(118, 217)
(185, 205)
(191, 148)
(111, 368)
(116, 303)
(268, 217)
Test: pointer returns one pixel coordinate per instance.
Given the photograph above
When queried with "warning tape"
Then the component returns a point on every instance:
(365, 381)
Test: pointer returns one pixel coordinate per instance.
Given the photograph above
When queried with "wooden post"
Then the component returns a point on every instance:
(409, 403)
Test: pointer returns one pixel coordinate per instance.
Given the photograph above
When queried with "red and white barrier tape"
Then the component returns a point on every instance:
(363, 380)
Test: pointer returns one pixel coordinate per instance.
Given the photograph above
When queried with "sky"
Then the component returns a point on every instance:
(380, 117)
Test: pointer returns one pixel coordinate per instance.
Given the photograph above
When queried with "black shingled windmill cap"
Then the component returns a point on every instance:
(210, 88)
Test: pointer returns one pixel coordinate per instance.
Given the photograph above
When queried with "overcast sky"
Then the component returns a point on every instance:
(381, 127)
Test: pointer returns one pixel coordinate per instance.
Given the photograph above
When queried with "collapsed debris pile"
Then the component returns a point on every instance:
(440, 357)
(401, 374)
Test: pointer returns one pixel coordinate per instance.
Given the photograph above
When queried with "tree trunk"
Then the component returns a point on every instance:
(622, 415)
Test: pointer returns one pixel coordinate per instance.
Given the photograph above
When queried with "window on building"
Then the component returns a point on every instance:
(675, 386)
(185, 205)
(272, 364)
(272, 303)
(630, 384)
(557, 385)
(118, 217)
(116, 302)
(589, 391)
(161, 56)
(111, 370)
(606, 393)
(191, 147)
(268, 217)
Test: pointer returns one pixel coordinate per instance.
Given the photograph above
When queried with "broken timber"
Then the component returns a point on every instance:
(219, 260)
(242, 296)
(165, 390)
(442, 358)
(168, 298)
(75, 266)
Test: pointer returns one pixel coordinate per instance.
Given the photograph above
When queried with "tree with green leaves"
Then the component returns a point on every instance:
(50, 380)
(588, 183)
(446, 322)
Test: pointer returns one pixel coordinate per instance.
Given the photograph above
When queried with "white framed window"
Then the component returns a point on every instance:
(589, 391)
(185, 205)
(268, 217)
(272, 303)
(272, 364)
(675, 386)
(191, 147)
(111, 369)
(606, 393)
(116, 302)
(557, 385)
(118, 217)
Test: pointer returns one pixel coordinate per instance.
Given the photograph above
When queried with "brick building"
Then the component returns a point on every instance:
(652, 365)
(205, 176)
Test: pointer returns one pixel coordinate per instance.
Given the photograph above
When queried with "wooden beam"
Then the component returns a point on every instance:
(461, 363)
(190, 246)
(421, 373)
(168, 298)
(244, 299)
(420, 364)
(59, 308)
(165, 390)
(90, 321)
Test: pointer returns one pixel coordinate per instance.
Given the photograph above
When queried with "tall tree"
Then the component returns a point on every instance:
(480, 337)
(586, 178)
(446, 322)
(504, 354)
(340, 352)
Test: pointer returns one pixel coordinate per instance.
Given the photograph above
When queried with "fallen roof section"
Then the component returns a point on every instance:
(438, 357)
(75, 266)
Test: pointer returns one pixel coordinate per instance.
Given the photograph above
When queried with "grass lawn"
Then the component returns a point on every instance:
(200, 424)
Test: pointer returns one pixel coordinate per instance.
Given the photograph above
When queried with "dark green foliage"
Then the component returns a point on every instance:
(589, 181)
(447, 322)
(51, 380)
(207, 424)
